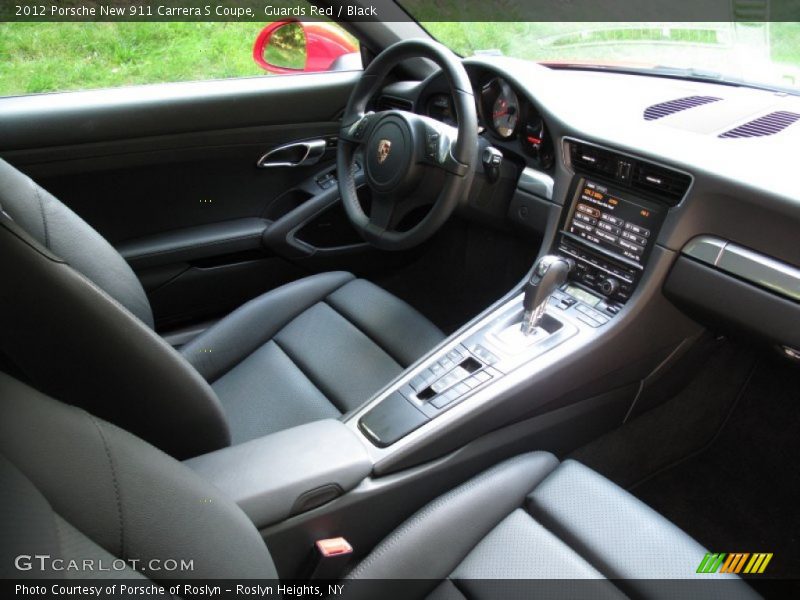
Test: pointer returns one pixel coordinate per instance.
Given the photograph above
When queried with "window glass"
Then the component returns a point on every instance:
(54, 57)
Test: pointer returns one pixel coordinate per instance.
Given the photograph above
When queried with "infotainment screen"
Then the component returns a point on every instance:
(621, 226)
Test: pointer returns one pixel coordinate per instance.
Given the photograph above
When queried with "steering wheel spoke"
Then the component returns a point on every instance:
(383, 213)
(440, 141)
(358, 130)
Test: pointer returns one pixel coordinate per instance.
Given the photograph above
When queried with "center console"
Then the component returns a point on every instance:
(607, 233)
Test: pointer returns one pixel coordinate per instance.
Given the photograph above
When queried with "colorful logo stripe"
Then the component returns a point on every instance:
(735, 562)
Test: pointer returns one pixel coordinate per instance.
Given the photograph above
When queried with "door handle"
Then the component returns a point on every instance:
(296, 154)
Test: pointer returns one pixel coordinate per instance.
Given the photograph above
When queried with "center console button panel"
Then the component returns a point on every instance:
(607, 234)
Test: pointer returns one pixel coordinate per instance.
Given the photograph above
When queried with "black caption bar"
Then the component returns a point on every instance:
(401, 10)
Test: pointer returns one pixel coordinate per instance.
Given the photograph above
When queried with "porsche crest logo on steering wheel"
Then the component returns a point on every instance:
(384, 147)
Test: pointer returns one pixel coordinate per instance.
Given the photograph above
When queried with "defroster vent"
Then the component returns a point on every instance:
(769, 124)
(664, 109)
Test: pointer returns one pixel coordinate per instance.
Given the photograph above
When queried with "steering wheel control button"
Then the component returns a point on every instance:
(432, 145)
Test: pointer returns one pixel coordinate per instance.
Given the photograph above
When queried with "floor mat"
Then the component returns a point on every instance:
(721, 460)
(683, 425)
(742, 493)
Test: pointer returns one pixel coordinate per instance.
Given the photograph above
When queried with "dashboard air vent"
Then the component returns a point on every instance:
(659, 183)
(392, 103)
(664, 182)
(769, 124)
(593, 159)
(664, 109)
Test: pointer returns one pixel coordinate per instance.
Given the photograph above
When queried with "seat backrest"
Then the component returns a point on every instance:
(74, 487)
(66, 235)
(78, 334)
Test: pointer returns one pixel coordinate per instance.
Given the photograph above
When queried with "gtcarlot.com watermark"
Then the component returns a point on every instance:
(45, 562)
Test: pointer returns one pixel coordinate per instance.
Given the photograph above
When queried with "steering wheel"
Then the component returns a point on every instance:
(409, 160)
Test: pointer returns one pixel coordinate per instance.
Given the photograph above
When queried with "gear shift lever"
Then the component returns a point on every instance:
(549, 273)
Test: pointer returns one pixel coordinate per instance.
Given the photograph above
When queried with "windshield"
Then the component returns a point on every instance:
(764, 54)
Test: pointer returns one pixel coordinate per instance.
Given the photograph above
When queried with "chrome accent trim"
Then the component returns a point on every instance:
(536, 183)
(753, 267)
(575, 335)
(314, 149)
(705, 248)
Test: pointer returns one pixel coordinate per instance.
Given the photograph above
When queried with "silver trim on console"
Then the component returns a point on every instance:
(746, 264)
(536, 183)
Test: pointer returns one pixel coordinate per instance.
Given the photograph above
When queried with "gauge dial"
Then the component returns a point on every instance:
(505, 112)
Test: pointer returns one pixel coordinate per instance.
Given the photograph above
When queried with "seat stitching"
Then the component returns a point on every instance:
(41, 209)
(59, 532)
(211, 363)
(456, 585)
(401, 363)
(570, 540)
(120, 519)
(403, 529)
(311, 380)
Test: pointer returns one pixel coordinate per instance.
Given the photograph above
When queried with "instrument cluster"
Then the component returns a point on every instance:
(505, 117)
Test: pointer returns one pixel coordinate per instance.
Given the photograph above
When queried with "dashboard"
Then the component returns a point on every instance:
(624, 173)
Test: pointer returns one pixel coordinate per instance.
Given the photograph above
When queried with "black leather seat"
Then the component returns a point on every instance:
(77, 324)
(313, 349)
(75, 487)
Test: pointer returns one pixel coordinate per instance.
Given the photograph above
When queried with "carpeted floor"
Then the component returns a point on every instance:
(721, 459)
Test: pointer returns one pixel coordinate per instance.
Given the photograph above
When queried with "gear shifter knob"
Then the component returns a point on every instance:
(549, 273)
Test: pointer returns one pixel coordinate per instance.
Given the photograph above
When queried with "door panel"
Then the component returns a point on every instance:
(167, 173)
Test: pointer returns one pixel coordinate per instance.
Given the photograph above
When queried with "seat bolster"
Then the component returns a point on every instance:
(619, 535)
(69, 237)
(398, 328)
(123, 494)
(429, 545)
(221, 347)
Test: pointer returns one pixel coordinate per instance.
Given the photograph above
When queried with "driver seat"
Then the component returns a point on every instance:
(77, 325)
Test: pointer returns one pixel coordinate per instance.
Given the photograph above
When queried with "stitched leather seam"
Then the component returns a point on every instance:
(400, 363)
(400, 533)
(59, 532)
(307, 375)
(214, 365)
(122, 553)
(41, 209)
(550, 524)
(459, 589)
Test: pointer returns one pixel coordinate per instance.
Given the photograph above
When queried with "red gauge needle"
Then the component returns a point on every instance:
(500, 113)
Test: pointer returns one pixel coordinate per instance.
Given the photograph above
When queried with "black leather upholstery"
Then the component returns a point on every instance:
(70, 238)
(533, 518)
(75, 342)
(322, 346)
(76, 323)
(74, 486)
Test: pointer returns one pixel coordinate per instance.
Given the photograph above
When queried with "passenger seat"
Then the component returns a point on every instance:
(75, 487)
